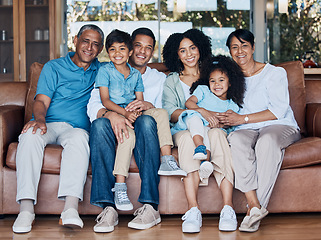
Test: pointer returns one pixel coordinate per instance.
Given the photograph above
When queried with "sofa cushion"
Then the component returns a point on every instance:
(305, 152)
(52, 159)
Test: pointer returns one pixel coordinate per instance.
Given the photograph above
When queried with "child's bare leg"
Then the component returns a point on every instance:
(166, 150)
(198, 140)
(120, 179)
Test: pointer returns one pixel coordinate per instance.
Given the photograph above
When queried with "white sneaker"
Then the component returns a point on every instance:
(23, 222)
(205, 171)
(192, 221)
(106, 220)
(228, 220)
(70, 218)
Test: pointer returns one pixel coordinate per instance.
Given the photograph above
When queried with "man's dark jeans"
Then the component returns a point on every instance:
(102, 156)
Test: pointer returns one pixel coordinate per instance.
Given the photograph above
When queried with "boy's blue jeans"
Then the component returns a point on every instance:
(102, 142)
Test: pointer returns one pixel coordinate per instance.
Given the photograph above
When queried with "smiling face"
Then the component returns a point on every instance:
(119, 53)
(88, 46)
(188, 53)
(242, 53)
(142, 51)
(219, 84)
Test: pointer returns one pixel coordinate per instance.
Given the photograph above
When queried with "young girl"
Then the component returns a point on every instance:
(220, 88)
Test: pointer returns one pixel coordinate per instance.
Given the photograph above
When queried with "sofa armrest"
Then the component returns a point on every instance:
(11, 123)
(13, 93)
(313, 119)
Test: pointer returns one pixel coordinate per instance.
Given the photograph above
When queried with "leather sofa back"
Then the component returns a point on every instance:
(313, 91)
(294, 71)
(13, 93)
(297, 91)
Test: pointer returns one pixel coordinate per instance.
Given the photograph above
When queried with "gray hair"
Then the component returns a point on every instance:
(91, 27)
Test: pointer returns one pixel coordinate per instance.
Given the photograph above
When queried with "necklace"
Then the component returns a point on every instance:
(250, 73)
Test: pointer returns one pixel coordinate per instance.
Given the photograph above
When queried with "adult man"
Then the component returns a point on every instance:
(59, 117)
(108, 126)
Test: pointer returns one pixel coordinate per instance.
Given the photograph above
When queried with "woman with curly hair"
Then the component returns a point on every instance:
(184, 54)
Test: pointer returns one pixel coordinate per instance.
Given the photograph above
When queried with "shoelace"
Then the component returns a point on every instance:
(227, 214)
(140, 211)
(102, 215)
(173, 164)
(121, 196)
(189, 214)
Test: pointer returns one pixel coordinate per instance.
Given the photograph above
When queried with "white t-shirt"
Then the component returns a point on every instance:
(153, 81)
(186, 90)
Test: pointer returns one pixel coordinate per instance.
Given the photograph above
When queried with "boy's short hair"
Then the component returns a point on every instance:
(118, 37)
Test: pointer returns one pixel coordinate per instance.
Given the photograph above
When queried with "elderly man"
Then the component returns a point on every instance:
(59, 117)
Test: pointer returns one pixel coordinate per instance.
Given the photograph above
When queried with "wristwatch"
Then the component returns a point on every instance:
(246, 119)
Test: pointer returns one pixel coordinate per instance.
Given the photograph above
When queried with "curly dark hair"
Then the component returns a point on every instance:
(170, 50)
(234, 73)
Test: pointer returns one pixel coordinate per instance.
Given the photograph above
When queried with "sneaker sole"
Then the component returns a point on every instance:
(257, 219)
(205, 172)
(144, 226)
(190, 229)
(249, 229)
(105, 229)
(127, 207)
(71, 223)
(22, 229)
(199, 156)
(172, 173)
(227, 229)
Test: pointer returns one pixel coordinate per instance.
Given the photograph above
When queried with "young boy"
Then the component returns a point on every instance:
(119, 84)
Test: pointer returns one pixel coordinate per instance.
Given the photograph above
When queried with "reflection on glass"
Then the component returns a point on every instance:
(217, 18)
(295, 31)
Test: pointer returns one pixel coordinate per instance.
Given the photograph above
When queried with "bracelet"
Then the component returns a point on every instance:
(103, 115)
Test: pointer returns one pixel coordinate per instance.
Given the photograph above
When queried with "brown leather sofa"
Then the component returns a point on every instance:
(298, 188)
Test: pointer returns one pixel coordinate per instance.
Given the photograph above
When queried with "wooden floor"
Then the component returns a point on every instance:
(274, 226)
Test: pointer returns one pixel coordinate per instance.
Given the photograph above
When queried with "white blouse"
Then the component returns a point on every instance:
(268, 90)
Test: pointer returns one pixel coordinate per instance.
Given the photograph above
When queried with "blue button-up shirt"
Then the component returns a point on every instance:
(121, 90)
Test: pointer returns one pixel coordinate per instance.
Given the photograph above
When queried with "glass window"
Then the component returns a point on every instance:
(216, 18)
(294, 30)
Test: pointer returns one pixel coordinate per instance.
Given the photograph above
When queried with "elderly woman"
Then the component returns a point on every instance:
(183, 54)
(266, 126)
